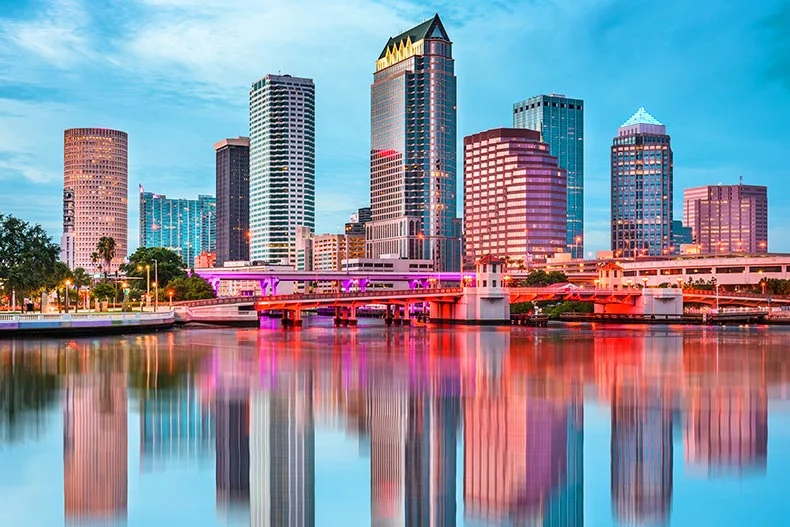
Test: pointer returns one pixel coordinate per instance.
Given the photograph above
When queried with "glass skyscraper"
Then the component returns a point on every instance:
(560, 121)
(282, 165)
(641, 166)
(413, 149)
(185, 226)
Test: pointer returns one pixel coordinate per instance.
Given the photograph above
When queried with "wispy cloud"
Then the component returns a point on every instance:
(57, 34)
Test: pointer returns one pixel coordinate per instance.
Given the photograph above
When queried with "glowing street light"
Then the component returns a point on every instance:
(68, 285)
(170, 293)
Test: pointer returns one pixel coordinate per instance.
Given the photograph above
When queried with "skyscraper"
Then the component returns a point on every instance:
(560, 121)
(185, 226)
(514, 196)
(358, 221)
(95, 178)
(282, 165)
(641, 168)
(233, 200)
(727, 218)
(413, 148)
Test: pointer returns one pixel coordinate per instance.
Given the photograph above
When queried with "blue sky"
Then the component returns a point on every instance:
(175, 74)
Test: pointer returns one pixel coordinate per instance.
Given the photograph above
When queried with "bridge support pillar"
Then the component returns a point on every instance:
(407, 314)
(337, 317)
(352, 318)
(345, 317)
(287, 318)
(297, 317)
(388, 316)
(396, 319)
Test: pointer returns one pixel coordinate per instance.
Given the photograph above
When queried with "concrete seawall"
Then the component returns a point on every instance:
(84, 323)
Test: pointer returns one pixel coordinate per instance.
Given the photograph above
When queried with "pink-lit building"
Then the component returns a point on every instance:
(515, 196)
(727, 218)
(95, 201)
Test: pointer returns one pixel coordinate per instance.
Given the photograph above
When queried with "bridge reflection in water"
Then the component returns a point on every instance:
(461, 426)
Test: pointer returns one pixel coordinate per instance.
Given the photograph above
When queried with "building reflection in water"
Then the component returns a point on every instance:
(95, 467)
(515, 397)
(522, 443)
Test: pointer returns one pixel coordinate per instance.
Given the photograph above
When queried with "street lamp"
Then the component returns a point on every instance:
(170, 293)
(68, 284)
(156, 284)
(644, 283)
(680, 282)
(597, 283)
(147, 282)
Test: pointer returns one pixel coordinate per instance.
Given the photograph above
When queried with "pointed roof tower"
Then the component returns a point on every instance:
(642, 116)
(431, 28)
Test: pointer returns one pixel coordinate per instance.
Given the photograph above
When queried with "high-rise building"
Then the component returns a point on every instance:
(641, 168)
(95, 464)
(185, 226)
(681, 235)
(329, 250)
(95, 201)
(358, 221)
(560, 121)
(413, 148)
(727, 218)
(233, 200)
(514, 196)
(282, 165)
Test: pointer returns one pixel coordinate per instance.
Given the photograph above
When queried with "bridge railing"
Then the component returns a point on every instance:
(390, 293)
(738, 294)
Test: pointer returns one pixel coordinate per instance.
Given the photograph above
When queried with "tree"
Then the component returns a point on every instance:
(541, 278)
(57, 280)
(105, 291)
(192, 288)
(106, 251)
(168, 263)
(95, 260)
(27, 256)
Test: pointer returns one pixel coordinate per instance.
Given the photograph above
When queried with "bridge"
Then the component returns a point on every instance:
(269, 279)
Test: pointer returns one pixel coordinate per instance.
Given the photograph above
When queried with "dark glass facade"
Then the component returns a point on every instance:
(233, 200)
(413, 149)
(560, 121)
(641, 170)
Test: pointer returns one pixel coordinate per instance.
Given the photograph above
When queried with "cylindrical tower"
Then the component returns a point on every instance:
(95, 166)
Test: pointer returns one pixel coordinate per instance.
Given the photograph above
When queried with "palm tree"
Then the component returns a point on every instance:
(95, 259)
(106, 250)
(80, 279)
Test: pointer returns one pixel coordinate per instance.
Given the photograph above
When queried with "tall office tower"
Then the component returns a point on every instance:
(413, 149)
(727, 218)
(560, 121)
(514, 197)
(358, 221)
(95, 467)
(282, 453)
(282, 165)
(641, 167)
(185, 226)
(233, 200)
(232, 436)
(95, 178)
(641, 464)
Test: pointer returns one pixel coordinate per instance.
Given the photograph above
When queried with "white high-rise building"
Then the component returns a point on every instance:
(282, 165)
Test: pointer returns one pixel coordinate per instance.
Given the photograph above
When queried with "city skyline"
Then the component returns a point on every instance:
(38, 102)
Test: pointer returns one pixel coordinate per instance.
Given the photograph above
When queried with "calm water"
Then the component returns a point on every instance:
(392, 426)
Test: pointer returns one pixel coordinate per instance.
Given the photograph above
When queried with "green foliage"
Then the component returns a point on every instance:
(554, 312)
(27, 256)
(105, 248)
(776, 286)
(700, 284)
(80, 278)
(105, 291)
(521, 308)
(192, 288)
(541, 278)
(168, 267)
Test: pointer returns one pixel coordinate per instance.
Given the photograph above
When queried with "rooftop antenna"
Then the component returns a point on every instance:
(741, 181)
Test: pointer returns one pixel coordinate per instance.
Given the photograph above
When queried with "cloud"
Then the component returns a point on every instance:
(57, 34)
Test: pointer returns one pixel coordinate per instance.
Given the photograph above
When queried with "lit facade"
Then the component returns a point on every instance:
(329, 250)
(560, 121)
(727, 218)
(95, 441)
(185, 226)
(358, 221)
(233, 200)
(514, 197)
(413, 149)
(95, 181)
(282, 165)
(641, 194)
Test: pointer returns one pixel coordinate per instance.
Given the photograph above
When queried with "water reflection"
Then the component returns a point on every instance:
(461, 427)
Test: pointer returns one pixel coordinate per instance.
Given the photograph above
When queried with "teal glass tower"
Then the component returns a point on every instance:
(185, 226)
(413, 174)
(560, 121)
